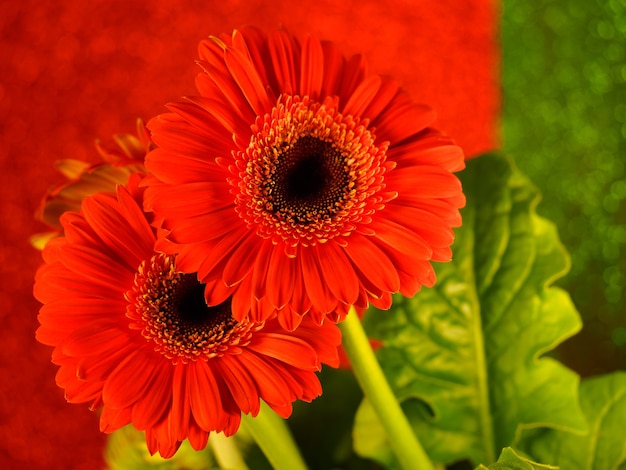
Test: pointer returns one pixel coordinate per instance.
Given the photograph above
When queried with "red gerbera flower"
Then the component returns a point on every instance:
(299, 179)
(134, 336)
(120, 158)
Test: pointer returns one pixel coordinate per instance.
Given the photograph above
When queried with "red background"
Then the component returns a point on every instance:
(74, 71)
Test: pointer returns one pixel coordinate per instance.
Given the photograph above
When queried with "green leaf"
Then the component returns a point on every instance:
(466, 358)
(510, 460)
(603, 401)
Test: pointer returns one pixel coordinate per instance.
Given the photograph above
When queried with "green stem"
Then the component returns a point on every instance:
(370, 376)
(272, 435)
(226, 452)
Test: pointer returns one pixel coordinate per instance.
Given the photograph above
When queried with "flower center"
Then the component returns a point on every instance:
(309, 181)
(169, 308)
(309, 174)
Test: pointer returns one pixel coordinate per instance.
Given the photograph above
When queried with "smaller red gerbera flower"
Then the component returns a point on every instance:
(121, 157)
(133, 335)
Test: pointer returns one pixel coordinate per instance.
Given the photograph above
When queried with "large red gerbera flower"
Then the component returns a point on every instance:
(134, 336)
(298, 178)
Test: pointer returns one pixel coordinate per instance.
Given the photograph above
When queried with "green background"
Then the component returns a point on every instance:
(564, 122)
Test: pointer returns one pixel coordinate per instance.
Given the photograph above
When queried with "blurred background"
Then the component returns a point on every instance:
(564, 121)
(74, 71)
(543, 80)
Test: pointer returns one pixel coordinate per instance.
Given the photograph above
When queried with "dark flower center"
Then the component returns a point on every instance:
(309, 181)
(189, 314)
(309, 174)
(169, 308)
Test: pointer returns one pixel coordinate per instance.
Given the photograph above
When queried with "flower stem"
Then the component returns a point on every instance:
(226, 452)
(371, 378)
(272, 435)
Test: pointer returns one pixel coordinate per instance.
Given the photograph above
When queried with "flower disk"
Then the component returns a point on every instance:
(169, 308)
(308, 174)
(134, 336)
(298, 184)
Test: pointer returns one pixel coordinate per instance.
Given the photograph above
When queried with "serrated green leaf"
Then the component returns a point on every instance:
(510, 460)
(465, 358)
(603, 400)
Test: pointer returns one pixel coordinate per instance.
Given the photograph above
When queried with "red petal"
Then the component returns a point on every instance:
(134, 215)
(261, 269)
(192, 132)
(186, 169)
(402, 119)
(130, 246)
(155, 404)
(128, 382)
(445, 209)
(96, 338)
(429, 227)
(68, 312)
(285, 348)
(317, 287)
(159, 439)
(259, 309)
(243, 301)
(182, 391)
(216, 292)
(211, 215)
(217, 256)
(401, 239)
(56, 282)
(205, 399)
(204, 227)
(411, 153)
(338, 272)
(362, 96)
(103, 215)
(353, 74)
(77, 390)
(248, 79)
(307, 383)
(198, 438)
(250, 41)
(280, 274)
(386, 92)
(383, 302)
(283, 60)
(217, 85)
(333, 70)
(113, 419)
(312, 68)
(424, 182)
(373, 263)
(300, 301)
(211, 50)
(324, 339)
(241, 260)
(270, 384)
(288, 319)
(236, 117)
(240, 384)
